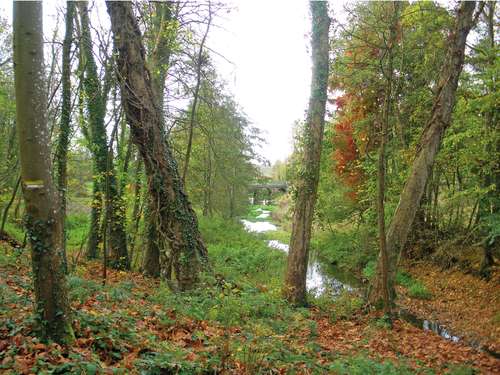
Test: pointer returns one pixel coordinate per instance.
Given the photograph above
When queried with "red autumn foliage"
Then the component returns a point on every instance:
(346, 152)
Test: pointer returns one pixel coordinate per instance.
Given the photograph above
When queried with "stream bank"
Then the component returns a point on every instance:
(324, 278)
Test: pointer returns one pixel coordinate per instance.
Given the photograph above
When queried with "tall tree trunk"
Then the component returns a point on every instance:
(96, 104)
(158, 63)
(43, 220)
(65, 125)
(307, 182)
(177, 220)
(388, 74)
(429, 145)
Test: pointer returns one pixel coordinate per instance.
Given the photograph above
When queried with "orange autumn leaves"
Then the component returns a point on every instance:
(349, 144)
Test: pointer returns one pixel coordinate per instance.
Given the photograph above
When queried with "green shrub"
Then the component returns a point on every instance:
(81, 289)
(419, 290)
(370, 269)
(416, 288)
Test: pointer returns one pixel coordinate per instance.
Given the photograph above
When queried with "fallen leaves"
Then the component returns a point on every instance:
(471, 301)
(469, 306)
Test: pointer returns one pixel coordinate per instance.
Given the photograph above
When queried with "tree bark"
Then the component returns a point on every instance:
(177, 220)
(158, 62)
(43, 220)
(428, 148)
(307, 181)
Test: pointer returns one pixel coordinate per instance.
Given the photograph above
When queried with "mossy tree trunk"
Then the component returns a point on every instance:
(95, 96)
(43, 219)
(428, 148)
(177, 222)
(307, 181)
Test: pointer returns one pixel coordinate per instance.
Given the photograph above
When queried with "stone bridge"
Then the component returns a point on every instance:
(271, 187)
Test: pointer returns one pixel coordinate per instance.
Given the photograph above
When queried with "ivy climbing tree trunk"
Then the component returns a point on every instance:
(427, 150)
(43, 220)
(65, 124)
(158, 63)
(177, 222)
(95, 96)
(307, 181)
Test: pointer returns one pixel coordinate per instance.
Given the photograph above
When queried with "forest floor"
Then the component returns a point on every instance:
(467, 305)
(238, 323)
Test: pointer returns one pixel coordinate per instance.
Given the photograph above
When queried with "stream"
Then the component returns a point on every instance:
(324, 278)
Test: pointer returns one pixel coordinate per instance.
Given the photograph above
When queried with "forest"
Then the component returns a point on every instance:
(144, 231)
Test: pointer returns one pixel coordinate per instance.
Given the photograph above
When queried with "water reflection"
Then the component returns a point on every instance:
(259, 226)
(428, 325)
(317, 281)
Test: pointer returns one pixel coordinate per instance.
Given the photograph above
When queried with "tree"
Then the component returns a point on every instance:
(307, 181)
(388, 73)
(158, 60)
(489, 205)
(105, 181)
(65, 123)
(43, 220)
(178, 223)
(440, 117)
(199, 65)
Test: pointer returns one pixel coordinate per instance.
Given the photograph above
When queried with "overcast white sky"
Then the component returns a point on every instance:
(268, 42)
(268, 45)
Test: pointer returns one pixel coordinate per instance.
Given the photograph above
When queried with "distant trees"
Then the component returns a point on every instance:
(307, 180)
(43, 219)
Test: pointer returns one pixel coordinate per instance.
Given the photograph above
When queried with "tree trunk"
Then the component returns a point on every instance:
(307, 181)
(177, 220)
(43, 220)
(65, 125)
(158, 63)
(96, 104)
(388, 74)
(136, 210)
(95, 217)
(429, 145)
(151, 263)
